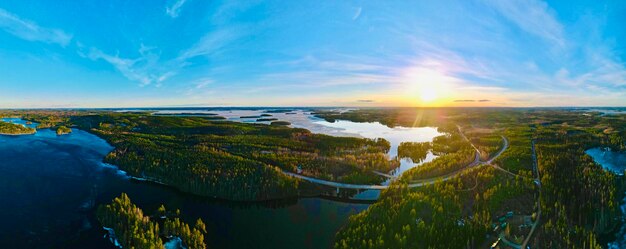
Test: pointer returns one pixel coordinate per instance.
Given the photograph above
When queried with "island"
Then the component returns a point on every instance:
(283, 123)
(62, 130)
(279, 111)
(15, 129)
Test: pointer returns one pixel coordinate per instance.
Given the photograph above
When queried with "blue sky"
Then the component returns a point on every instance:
(312, 53)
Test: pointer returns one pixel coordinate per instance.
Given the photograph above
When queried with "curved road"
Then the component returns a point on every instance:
(412, 185)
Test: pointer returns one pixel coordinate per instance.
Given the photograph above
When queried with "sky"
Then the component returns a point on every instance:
(174, 53)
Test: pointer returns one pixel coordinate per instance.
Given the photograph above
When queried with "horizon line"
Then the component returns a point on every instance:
(284, 107)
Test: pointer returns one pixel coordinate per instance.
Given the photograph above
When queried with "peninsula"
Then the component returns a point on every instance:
(7, 128)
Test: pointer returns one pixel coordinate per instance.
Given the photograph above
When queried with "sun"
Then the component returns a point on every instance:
(428, 95)
(426, 86)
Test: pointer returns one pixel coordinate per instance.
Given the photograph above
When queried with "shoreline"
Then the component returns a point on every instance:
(18, 134)
(259, 201)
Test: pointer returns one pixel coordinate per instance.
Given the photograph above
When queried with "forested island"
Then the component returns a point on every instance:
(62, 130)
(7, 128)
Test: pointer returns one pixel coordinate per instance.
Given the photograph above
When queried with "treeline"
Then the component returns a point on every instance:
(133, 229)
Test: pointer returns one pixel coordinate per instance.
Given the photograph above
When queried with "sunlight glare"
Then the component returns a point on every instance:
(428, 86)
(428, 95)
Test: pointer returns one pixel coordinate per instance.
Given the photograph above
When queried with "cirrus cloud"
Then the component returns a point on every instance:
(30, 31)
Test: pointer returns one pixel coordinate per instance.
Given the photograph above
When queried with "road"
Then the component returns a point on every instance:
(532, 230)
(335, 184)
(507, 242)
(421, 183)
(506, 144)
(472, 164)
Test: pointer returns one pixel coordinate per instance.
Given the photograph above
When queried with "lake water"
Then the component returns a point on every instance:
(615, 162)
(610, 160)
(608, 111)
(50, 186)
(395, 136)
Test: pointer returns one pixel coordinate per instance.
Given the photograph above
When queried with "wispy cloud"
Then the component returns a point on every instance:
(150, 69)
(357, 14)
(211, 43)
(143, 69)
(30, 31)
(174, 10)
(532, 16)
(202, 83)
(320, 78)
(199, 87)
(481, 88)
